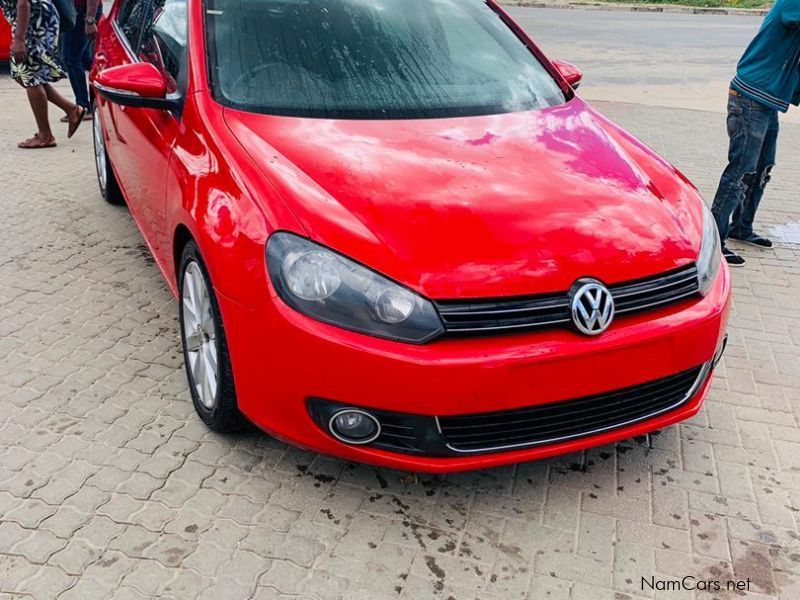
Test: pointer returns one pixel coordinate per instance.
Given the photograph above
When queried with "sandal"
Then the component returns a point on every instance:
(37, 142)
(75, 119)
(88, 117)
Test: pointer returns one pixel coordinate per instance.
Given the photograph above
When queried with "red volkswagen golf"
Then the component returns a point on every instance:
(396, 233)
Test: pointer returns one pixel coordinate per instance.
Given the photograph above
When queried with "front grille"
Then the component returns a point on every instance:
(561, 421)
(466, 317)
(654, 292)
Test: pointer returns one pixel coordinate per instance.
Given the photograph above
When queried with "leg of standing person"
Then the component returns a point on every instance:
(37, 98)
(75, 112)
(745, 213)
(748, 123)
(74, 49)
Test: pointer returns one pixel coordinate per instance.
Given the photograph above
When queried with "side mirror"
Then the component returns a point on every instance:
(140, 85)
(572, 74)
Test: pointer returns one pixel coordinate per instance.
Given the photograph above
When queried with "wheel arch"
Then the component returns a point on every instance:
(180, 238)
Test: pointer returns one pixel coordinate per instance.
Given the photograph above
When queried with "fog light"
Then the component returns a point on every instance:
(354, 426)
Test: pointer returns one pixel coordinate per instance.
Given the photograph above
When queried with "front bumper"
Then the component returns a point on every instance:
(528, 427)
(282, 360)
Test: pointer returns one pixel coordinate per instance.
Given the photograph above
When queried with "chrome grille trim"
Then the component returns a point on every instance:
(475, 317)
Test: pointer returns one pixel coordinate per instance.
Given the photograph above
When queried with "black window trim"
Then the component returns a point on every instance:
(124, 38)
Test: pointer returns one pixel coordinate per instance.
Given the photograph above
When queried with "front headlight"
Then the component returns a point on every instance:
(328, 287)
(710, 253)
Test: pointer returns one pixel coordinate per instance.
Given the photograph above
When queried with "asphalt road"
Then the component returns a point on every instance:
(680, 61)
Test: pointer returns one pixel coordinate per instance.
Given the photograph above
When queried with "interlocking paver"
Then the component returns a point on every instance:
(110, 487)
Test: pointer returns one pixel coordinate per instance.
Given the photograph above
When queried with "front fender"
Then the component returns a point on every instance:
(211, 194)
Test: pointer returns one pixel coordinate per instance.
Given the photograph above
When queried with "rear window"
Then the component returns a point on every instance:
(376, 59)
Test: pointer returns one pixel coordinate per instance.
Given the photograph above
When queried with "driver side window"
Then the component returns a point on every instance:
(132, 16)
(164, 43)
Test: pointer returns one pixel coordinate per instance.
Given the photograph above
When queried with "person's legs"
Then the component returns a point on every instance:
(745, 213)
(88, 56)
(748, 123)
(74, 48)
(74, 112)
(57, 99)
(37, 98)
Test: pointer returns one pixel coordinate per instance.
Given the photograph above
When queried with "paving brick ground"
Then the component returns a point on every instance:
(110, 487)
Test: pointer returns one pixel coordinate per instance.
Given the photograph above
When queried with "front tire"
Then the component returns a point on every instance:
(109, 187)
(205, 347)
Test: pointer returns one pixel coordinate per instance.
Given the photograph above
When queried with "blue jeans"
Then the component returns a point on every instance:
(753, 129)
(77, 53)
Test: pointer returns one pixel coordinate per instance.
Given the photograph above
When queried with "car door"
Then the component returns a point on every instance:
(118, 45)
(143, 138)
(163, 43)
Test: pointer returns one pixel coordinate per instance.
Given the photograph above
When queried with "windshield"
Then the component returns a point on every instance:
(371, 59)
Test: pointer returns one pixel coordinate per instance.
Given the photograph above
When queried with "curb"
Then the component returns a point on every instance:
(648, 8)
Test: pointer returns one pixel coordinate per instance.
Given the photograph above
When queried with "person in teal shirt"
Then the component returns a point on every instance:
(767, 82)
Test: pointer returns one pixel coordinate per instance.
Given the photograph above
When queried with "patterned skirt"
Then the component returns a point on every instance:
(43, 64)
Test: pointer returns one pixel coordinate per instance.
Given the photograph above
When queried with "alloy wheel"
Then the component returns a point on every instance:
(100, 154)
(200, 336)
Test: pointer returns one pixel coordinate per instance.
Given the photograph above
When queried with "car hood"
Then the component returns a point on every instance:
(490, 206)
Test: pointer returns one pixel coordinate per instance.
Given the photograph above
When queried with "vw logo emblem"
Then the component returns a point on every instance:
(592, 307)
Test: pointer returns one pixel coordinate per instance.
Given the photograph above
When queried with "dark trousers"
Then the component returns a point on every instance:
(753, 130)
(77, 53)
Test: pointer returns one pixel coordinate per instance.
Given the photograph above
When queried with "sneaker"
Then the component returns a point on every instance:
(732, 258)
(754, 240)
